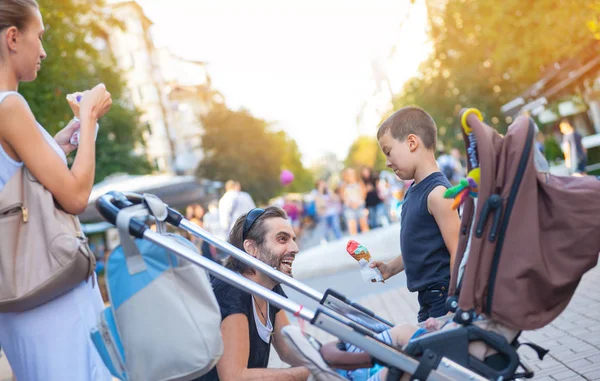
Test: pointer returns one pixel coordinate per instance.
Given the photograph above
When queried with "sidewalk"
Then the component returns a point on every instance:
(573, 338)
(383, 244)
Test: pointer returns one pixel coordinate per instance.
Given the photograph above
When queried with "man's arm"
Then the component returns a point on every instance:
(234, 362)
(281, 320)
(566, 147)
(446, 218)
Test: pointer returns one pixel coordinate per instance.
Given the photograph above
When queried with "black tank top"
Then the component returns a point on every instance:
(426, 258)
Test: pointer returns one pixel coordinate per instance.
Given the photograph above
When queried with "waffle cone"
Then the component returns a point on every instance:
(366, 256)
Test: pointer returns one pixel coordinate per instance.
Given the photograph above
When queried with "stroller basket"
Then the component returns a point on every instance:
(109, 206)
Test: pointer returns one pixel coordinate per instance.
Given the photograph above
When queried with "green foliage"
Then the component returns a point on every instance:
(593, 23)
(552, 149)
(485, 53)
(304, 180)
(593, 155)
(241, 147)
(73, 64)
(365, 151)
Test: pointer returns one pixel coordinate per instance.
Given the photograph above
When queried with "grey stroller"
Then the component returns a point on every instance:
(339, 317)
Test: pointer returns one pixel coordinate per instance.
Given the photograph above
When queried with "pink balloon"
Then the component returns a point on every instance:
(286, 177)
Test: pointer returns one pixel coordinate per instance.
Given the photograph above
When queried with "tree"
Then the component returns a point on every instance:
(304, 180)
(365, 151)
(73, 64)
(485, 53)
(241, 147)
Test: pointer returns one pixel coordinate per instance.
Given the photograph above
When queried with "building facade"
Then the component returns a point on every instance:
(136, 57)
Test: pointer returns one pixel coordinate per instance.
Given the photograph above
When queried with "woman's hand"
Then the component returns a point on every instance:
(95, 103)
(63, 137)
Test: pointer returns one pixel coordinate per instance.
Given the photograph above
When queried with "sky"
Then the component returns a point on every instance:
(304, 65)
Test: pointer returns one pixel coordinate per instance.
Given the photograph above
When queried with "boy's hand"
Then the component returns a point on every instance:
(389, 269)
(384, 269)
(432, 324)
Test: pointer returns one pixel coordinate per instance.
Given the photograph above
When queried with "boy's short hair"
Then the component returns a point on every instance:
(410, 120)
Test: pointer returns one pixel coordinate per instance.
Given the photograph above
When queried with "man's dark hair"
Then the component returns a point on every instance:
(410, 120)
(256, 233)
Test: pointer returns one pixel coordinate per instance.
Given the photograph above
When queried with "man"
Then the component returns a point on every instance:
(249, 324)
(233, 204)
(575, 153)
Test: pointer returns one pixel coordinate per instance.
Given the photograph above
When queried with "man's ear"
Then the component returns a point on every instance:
(413, 142)
(250, 248)
(12, 37)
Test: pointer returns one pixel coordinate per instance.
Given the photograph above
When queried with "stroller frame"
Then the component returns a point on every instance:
(433, 367)
(331, 298)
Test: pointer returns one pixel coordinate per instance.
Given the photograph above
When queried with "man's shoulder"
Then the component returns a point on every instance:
(224, 291)
(231, 300)
(246, 196)
(226, 196)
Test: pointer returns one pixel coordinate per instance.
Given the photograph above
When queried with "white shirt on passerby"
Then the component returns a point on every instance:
(212, 223)
(233, 204)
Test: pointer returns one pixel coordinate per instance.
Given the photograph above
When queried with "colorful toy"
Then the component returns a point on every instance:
(468, 186)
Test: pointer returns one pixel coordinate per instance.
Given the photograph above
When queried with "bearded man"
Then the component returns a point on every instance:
(249, 325)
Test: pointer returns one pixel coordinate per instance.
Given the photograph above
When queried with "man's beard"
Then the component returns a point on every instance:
(269, 258)
(273, 260)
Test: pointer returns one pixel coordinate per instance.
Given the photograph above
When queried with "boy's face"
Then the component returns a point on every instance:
(398, 155)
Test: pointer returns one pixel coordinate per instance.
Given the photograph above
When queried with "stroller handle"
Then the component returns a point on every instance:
(110, 204)
(250, 260)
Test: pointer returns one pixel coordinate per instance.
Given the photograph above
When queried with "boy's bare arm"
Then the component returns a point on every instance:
(390, 268)
(446, 218)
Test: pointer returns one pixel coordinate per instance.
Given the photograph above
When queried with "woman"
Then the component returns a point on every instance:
(328, 219)
(353, 195)
(373, 200)
(50, 342)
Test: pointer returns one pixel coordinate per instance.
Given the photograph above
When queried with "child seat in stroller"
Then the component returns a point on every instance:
(336, 324)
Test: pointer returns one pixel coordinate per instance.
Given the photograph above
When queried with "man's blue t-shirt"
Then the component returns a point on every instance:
(426, 258)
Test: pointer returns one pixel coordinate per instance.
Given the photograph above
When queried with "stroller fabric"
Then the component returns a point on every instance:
(531, 235)
(163, 322)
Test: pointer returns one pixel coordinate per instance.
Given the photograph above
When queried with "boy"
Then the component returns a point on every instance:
(429, 233)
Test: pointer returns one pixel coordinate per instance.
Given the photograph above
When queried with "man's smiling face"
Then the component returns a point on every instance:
(279, 247)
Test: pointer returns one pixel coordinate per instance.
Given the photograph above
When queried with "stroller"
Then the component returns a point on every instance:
(337, 315)
(491, 252)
